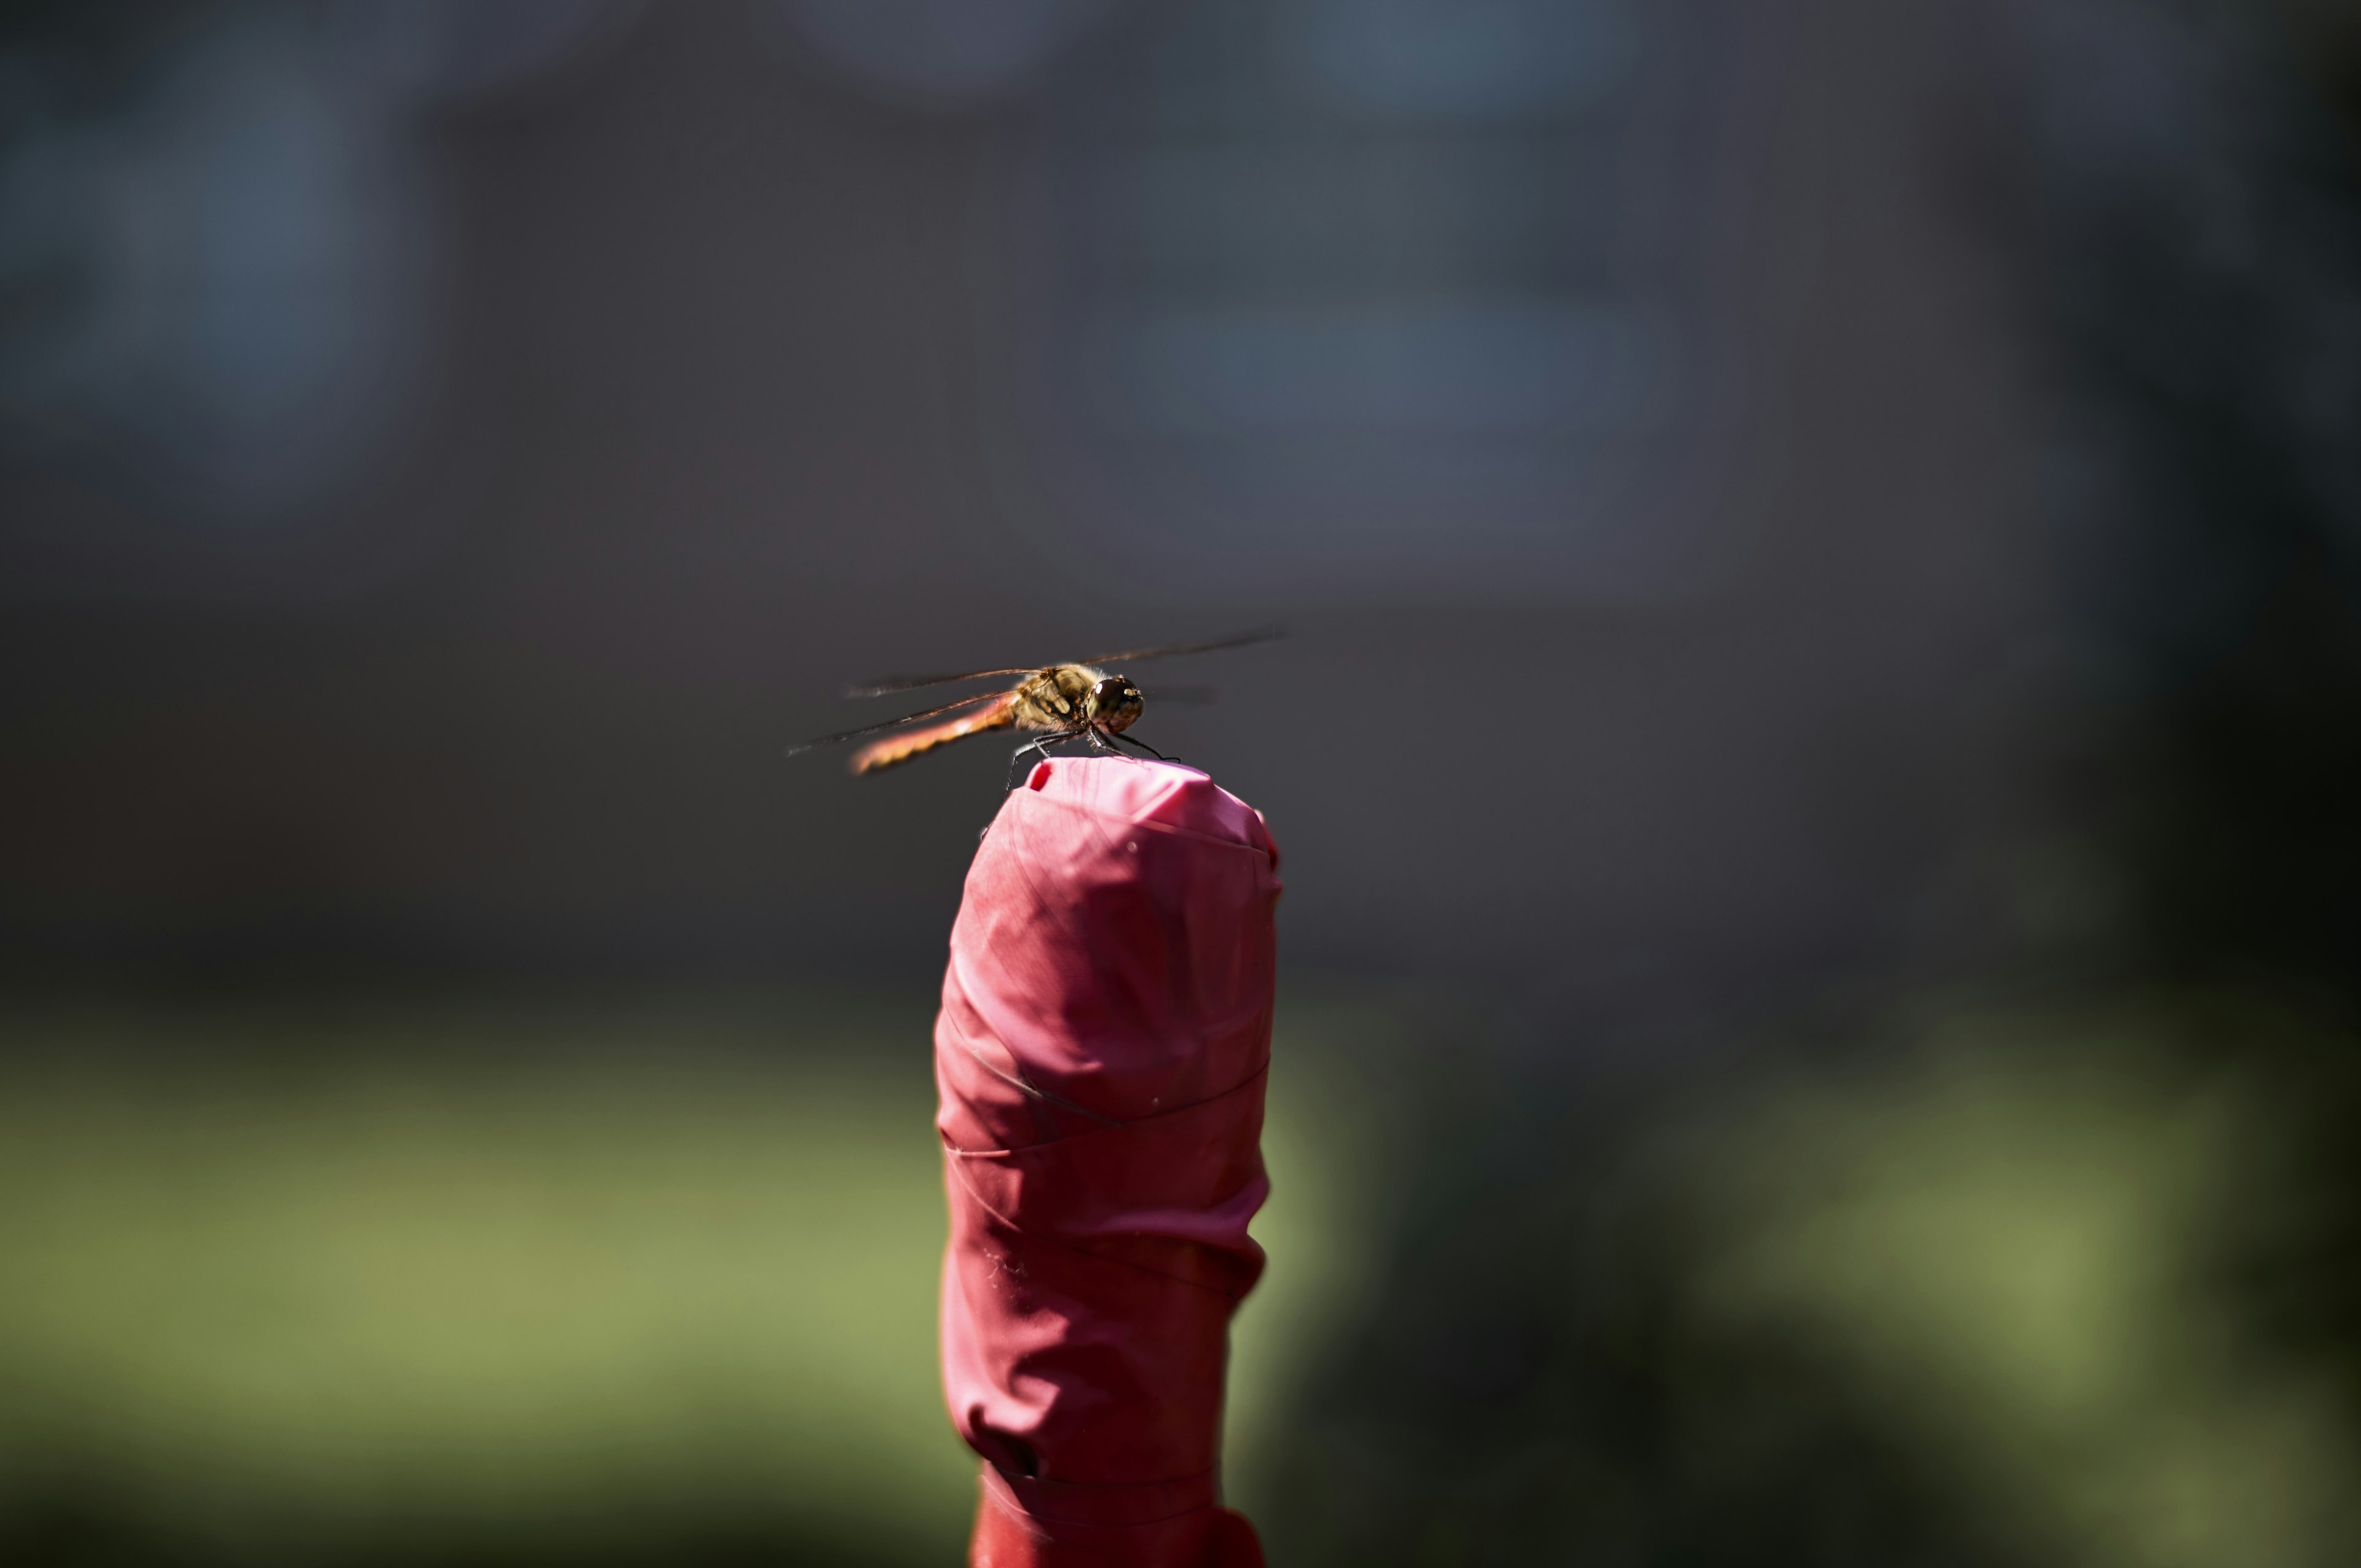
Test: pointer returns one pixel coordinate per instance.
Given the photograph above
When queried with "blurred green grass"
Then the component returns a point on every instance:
(512, 1282)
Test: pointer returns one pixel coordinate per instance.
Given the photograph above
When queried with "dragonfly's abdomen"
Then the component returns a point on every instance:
(911, 743)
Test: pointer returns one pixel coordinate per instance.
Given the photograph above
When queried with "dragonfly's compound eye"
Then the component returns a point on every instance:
(1115, 702)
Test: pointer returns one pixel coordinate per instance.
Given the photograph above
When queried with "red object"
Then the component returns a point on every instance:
(1101, 1054)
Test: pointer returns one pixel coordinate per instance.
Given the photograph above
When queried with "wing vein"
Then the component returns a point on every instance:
(1260, 634)
(885, 685)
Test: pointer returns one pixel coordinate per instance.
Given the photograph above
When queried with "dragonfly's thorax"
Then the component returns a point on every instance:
(1076, 697)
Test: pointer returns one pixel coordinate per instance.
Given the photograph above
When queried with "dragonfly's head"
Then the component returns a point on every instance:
(1115, 703)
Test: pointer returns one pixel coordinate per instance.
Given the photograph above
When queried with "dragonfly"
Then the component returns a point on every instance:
(1078, 701)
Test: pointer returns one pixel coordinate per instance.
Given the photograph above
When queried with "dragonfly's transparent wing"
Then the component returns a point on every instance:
(885, 685)
(1131, 656)
(894, 723)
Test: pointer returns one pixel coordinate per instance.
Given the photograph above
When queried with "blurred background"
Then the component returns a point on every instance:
(1821, 540)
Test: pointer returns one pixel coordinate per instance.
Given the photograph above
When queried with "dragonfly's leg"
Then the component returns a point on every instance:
(1039, 745)
(1016, 777)
(1135, 741)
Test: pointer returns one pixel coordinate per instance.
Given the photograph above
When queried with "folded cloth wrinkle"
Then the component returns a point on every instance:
(1101, 1054)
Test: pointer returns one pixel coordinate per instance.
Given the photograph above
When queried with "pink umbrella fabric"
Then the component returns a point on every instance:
(1101, 1055)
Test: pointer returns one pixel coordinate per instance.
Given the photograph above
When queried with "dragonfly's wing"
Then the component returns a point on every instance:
(884, 685)
(894, 723)
(1261, 634)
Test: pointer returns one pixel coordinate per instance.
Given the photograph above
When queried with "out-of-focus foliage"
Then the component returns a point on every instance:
(2068, 1278)
(2000, 1285)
